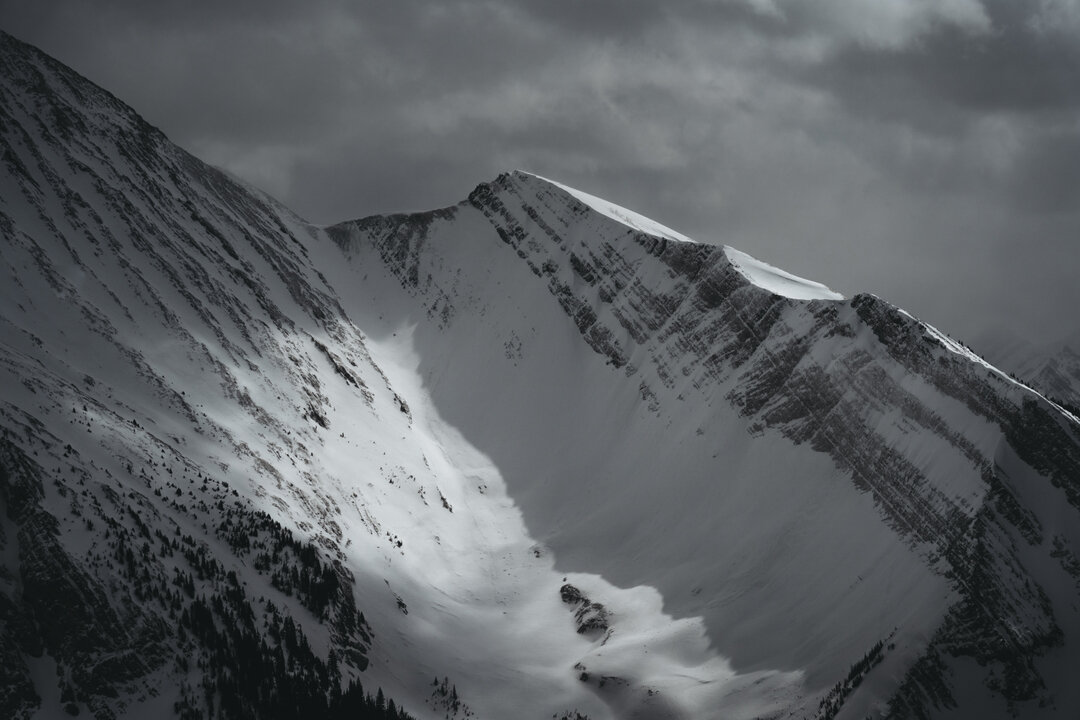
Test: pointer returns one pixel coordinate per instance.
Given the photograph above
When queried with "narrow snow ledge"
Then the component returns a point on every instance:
(761, 274)
(960, 349)
(616, 212)
(778, 281)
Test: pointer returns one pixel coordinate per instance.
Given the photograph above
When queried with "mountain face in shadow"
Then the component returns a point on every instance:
(532, 450)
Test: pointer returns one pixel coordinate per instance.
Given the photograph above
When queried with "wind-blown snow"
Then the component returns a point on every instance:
(760, 274)
(778, 281)
(616, 212)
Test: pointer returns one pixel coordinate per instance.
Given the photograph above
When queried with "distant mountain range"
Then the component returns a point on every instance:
(529, 455)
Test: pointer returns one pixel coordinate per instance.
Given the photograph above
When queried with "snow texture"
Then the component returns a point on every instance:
(464, 411)
(778, 281)
(615, 212)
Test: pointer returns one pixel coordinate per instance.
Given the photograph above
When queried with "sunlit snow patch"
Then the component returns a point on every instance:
(615, 212)
(761, 274)
(778, 281)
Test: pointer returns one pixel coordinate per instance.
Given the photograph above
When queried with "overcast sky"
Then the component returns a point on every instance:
(924, 150)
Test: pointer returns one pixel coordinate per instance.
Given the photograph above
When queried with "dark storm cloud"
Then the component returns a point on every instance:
(1047, 177)
(609, 18)
(1015, 68)
(1023, 73)
(922, 150)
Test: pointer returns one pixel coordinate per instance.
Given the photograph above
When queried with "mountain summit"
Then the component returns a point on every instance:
(530, 455)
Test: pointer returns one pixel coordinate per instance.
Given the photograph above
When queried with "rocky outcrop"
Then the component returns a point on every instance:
(590, 616)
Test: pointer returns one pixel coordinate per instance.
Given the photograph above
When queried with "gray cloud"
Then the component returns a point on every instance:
(923, 150)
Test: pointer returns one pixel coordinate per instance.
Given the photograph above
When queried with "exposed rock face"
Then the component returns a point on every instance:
(880, 393)
(205, 472)
(590, 616)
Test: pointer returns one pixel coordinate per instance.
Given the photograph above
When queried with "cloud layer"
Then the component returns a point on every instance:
(925, 150)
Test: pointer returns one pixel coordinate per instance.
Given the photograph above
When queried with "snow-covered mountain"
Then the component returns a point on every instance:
(1058, 376)
(531, 455)
(1052, 368)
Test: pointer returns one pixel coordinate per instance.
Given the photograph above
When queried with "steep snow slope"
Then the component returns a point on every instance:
(609, 209)
(535, 447)
(761, 274)
(203, 450)
(811, 476)
(1058, 376)
(161, 369)
(777, 281)
(1052, 368)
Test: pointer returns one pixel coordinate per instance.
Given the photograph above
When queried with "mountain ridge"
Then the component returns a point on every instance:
(910, 340)
(412, 438)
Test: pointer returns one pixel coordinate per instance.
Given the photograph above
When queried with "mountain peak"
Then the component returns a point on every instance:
(758, 273)
(627, 217)
(777, 281)
(534, 440)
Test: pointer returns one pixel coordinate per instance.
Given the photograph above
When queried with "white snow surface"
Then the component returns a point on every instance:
(489, 457)
(761, 274)
(180, 380)
(490, 585)
(627, 217)
(778, 281)
(964, 351)
(685, 499)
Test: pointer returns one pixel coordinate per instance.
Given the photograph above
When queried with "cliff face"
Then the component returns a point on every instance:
(958, 460)
(533, 442)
